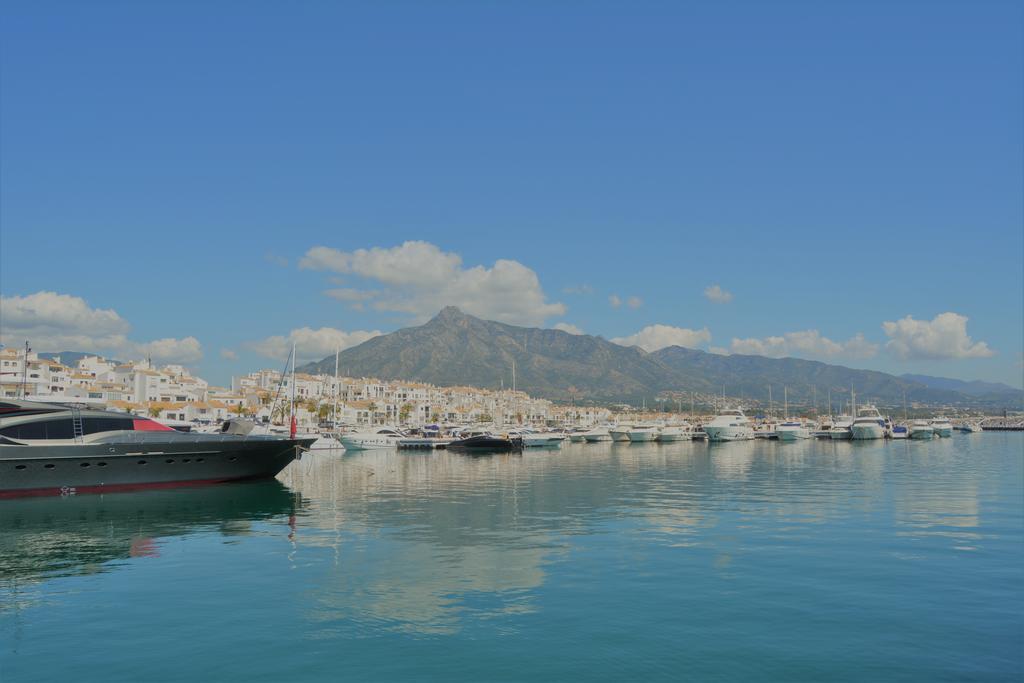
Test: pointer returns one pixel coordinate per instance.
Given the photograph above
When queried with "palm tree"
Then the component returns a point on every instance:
(373, 411)
(403, 413)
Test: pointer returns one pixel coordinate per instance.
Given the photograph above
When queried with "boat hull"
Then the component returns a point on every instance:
(641, 437)
(729, 433)
(108, 467)
(368, 443)
(597, 438)
(922, 434)
(864, 432)
(944, 432)
(783, 434)
(619, 436)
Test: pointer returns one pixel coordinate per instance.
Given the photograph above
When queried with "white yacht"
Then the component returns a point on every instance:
(942, 426)
(729, 425)
(576, 435)
(921, 429)
(643, 433)
(899, 432)
(869, 424)
(597, 434)
(541, 439)
(676, 433)
(385, 437)
(620, 432)
(824, 429)
(792, 430)
(842, 428)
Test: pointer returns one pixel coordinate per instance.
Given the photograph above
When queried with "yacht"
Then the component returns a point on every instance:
(620, 432)
(576, 435)
(942, 426)
(729, 425)
(921, 429)
(597, 434)
(824, 429)
(675, 433)
(540, 439)
(842, 428)
(643, 433)
(869, 424)
(57, 449)
(385, 437)
(792, 430)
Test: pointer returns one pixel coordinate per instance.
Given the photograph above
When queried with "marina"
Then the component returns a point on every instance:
(513, 566)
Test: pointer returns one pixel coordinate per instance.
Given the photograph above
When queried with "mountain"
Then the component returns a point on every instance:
(458, 349)
(972, 388)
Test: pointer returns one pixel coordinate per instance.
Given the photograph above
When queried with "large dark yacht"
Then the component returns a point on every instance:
(53, 449)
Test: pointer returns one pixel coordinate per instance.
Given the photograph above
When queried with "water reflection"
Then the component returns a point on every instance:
(434, 542)
(51, 537)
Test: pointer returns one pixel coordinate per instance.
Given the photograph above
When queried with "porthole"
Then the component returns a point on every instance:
(48, 466)
(83, 464)
(142, 462)
(101, 464)
(199, 459)
(19, 467)
(186, 460)
(232, 458)
(169, 461)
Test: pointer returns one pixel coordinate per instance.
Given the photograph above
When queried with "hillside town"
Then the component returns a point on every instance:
(172, 393)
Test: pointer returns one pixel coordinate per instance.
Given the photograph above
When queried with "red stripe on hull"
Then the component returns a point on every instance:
(113, 488)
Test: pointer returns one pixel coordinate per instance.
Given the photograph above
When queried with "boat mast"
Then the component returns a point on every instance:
(294, 427)
(785, 399)
(337, 350)
(24, 372)
(771, 409)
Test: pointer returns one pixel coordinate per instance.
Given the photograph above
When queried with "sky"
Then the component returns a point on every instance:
(206, 182)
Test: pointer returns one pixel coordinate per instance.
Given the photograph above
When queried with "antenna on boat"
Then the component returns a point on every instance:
(24, 372)
(337, 350)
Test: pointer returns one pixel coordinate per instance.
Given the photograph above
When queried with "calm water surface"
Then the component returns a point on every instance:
(750, 561)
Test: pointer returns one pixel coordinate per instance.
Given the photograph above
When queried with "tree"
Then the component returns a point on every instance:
(241, 410)
(373, 411)
(403, 413)
(154, 410)
(280, 412)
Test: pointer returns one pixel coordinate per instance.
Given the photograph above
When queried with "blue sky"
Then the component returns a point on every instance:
(166, 168)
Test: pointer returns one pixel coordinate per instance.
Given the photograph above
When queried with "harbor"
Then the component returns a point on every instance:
(517, 564)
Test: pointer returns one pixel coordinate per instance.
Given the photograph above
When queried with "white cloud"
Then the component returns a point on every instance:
(614, 301)
(62, 322)
(567, 327)
(944, 337)
(654, 337)
(310, 344)
(635, 302)
(578, 289)
(228, 354)
(419, 279)
(808, 343)
(716, 295)
(276, 259)
(718, 350)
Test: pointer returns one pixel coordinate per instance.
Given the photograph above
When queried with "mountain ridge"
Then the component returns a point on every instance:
(454, 348)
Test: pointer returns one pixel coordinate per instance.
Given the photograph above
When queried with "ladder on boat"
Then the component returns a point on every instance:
(76, 424)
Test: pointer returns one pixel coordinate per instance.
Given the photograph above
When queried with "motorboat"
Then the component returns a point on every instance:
(576, 435)
(642, 433)
(823, 430)
(58, 449)
(619, 432)
(942, 426)
(899, 432)
(842, 428)
(729, 425)
(597, 434)
(541, 439)
(385, 437)
(869, 424)
(485, 443)
(921, 429)
(675, 433)
(792, 430)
